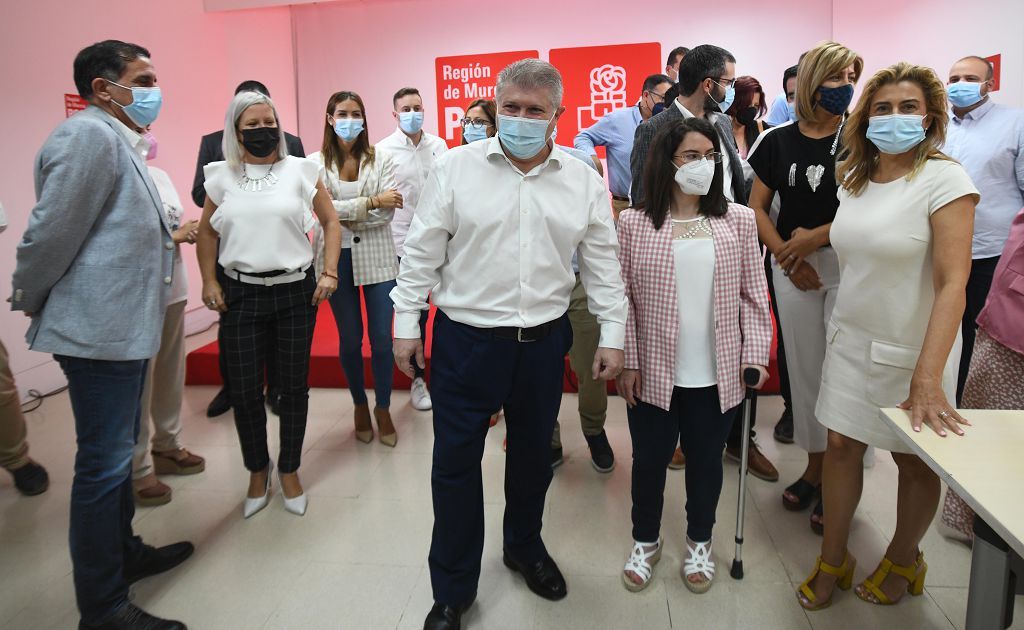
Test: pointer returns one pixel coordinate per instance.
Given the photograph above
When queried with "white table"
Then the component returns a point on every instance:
(985, 467)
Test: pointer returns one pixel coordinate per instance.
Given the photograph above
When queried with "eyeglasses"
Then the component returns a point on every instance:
(693, 156)
(661, 97)
(476, 123)
(728, 82)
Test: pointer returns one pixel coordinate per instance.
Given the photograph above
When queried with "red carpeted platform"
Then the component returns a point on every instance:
(325, 369)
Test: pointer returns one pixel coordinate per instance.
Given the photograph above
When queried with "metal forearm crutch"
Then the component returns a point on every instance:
(750, 378)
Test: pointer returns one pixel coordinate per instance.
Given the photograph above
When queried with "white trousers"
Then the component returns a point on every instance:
(161, 396)
(803, 316)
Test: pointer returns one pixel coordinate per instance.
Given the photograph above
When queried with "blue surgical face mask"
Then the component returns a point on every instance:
(410, 122)
(472, 133)
(896, 133)
(657, 109)
(730, 96)
(523, 137)
(964, 93)
(145, 105)
(348, 129)
(791, 106)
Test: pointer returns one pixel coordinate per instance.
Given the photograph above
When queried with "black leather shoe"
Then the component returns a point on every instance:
(601, 456)
(31, 479)
(220, 404)
(444, 617)
(131, 617)
(784, 427)
(542, 577)
(556, 457)
(157, 560)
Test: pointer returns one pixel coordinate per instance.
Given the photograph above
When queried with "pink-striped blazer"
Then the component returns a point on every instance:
(743, 325)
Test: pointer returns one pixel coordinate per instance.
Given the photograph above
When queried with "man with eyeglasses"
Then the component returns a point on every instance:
(413, 152)
(615, 132)
(707, 75)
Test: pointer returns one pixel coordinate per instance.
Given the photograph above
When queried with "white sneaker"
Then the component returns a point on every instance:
(419, 395)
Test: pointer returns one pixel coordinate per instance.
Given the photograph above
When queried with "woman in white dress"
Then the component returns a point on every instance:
(903, 236)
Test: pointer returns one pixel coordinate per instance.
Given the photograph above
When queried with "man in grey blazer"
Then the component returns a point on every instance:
(94, 270)
(706, 77)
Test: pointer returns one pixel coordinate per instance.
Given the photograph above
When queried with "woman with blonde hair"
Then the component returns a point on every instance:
(361, 183)
(797, 161)
(261, 202)
(903, 235)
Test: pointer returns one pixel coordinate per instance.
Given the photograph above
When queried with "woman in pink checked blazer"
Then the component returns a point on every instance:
(698, 315)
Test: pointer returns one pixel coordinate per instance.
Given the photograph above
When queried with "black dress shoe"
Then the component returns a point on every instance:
(556, 457)
(220, 404)
(601, 456)
(131, 617)
(444, 617)
(542, 577)
(31, 479)
(784, 428)
(274, 402)
(157, 560)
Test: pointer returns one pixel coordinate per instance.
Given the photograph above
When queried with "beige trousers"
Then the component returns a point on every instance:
(161, 396)
(13, 447)
(593, 395)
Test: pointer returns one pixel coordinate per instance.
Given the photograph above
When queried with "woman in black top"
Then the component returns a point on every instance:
(797, 160)
(745, 111)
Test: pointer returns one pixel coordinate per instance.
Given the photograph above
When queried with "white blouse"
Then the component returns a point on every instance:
(696, 364)
(347, 190)
(264, 230)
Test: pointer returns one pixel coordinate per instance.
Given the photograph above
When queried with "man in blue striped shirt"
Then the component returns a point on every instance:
(988, 140)
(615, 132)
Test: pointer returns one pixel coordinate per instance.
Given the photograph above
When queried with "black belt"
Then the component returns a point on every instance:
(618, 198)
(523, 335)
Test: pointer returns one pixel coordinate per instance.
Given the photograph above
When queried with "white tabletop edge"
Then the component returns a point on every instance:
(1004, 533)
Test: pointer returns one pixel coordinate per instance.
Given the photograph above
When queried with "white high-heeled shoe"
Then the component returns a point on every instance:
(251, 506)
(295, 505)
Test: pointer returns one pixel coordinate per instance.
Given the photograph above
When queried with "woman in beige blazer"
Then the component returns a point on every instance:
(361, 182)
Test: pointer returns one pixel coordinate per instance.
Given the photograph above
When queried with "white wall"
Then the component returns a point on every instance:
(199, 59)
(936, 33)
(374, 48)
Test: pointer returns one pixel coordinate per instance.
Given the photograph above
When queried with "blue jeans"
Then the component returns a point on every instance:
(346, 304)
(105, 401)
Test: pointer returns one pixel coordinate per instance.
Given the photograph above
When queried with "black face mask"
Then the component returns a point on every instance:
(261, 141)
(747, 115)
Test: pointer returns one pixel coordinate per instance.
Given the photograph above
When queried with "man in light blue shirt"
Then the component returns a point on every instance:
(988, 140)
(781, 110)
(615, 132)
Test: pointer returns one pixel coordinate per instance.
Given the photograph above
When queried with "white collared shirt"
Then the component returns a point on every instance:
(138, 143)
(494, 245)
(726, 160)
(412, 165)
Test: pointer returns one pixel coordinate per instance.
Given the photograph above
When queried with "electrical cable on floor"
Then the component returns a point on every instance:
(36, 397)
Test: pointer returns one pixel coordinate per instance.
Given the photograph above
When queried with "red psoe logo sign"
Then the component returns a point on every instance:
(73, 104)
(463, 79)
(997, 62)
(599, 80)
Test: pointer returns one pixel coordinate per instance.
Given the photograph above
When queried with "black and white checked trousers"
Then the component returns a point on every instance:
(254, 314)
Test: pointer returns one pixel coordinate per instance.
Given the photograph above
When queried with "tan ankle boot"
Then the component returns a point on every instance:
(364, 426)
(388, 435)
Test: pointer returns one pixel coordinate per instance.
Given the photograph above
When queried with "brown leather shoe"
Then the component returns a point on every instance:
(385, 427)
(678, 460)
(179, 462)
(757, 463)
(150, 492)
(364, 425)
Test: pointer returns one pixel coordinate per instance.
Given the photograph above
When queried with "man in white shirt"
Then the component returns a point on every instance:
(413, 152)
(493, 238)
(988, 139)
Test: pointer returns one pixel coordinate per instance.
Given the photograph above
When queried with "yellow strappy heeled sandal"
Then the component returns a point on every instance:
(913, 574)
(844, 572)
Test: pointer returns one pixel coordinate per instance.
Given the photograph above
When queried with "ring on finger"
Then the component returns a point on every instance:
(944, 414)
